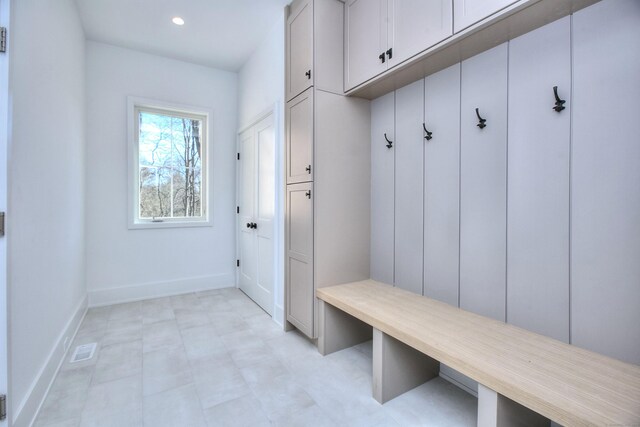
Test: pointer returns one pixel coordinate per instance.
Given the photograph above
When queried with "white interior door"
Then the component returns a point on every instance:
(256, 197)
(4, 135)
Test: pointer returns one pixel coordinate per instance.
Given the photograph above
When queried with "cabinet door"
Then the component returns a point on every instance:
(365, 40)
(299, 48)
(382, 187)
(483, 183)
(442, 185)
(468, 12)
(416, 25)
(538, 181)
(409, 147)
(300, 138)
(605, 196)
(299, 220)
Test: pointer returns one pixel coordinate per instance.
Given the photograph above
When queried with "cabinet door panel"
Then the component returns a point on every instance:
(468, 12)
(416, 25)
(605, 196)
(300, 138)
(365, 40)
(300, 49)
(382, 188)
(409, 147)
(483, 180)
(442, 185)
(300, 298)
(538, 178)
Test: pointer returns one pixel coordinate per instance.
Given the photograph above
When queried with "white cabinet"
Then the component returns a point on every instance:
(538, 180)
(365, 40)
(468, 12)
(483, 183)
(382, 187)
(300, 48)
(299, 266)
(314, 42)
(299, 158)
(442, 185)
(416, 25)
(409, 153)
(379, 34)
(605, 190)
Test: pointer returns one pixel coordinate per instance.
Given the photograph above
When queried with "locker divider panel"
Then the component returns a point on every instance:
(409, 167)
(605, 192)
(538, 181)
(483, 181)
(382, 188)
(442, 185)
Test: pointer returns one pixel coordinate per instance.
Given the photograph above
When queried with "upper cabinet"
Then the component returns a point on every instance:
(300, 48)
(314, 43)
(468, 12)
(380, 34)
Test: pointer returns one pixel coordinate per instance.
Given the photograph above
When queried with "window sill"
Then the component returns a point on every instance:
(146, 225)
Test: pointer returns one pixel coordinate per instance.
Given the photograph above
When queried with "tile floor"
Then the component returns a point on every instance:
(216, 359)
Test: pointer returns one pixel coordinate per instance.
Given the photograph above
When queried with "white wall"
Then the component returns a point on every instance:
(125, 264)
(46, 193)
(260, 88)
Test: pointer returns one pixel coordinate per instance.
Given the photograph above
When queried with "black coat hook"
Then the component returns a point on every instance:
(559, 102)
(481, 122)
(389, 143)
(428, 134)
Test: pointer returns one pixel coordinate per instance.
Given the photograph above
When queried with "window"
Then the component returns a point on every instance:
(168, 152)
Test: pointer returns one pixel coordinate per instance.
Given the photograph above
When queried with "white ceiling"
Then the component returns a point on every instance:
(217, 33)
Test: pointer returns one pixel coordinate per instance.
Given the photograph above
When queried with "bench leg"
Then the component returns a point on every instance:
(338, 330)
(398, 368)
(495, 410)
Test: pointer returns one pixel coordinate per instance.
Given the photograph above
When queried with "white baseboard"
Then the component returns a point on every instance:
(30, 406)
(138, 292)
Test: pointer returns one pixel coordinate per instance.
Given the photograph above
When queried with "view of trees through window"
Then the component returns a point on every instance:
(170, 165)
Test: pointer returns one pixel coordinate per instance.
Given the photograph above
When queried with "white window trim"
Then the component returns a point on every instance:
(133, 179)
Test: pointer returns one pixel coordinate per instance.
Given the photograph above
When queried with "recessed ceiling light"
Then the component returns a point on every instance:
(178, 21)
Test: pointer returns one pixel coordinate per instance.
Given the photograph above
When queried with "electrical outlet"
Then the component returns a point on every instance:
(67, 343)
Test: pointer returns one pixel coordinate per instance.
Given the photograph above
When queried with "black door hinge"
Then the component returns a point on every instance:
(3, 407)
(3, 39)
(237, 209)
(237, 263)
(238, 156)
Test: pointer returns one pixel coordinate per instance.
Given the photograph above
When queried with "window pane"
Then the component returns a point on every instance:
(155, 191)
(170, 150)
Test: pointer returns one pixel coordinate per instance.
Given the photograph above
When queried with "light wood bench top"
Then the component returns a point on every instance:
(567, 384)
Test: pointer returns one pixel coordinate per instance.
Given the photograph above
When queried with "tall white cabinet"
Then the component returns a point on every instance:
(327, 223)
(605, 196)
(538, 165)
(483, 183)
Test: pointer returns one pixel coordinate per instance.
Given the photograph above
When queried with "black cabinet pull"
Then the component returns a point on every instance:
(390, 53)
(481, 122)
(428, 134)
(308, 74)
(382, 57)
(308, 169)
(389, 143)
(308, 194)
(559, 102)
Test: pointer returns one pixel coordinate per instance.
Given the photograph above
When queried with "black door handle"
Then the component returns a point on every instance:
(254, 225)
(308, 74)
(559, 102)
(481, 122)
(390, 53)
(248, 225)
(389, 143)
(428, 134)
(308, 169)
(382, 57)
(308, 194)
